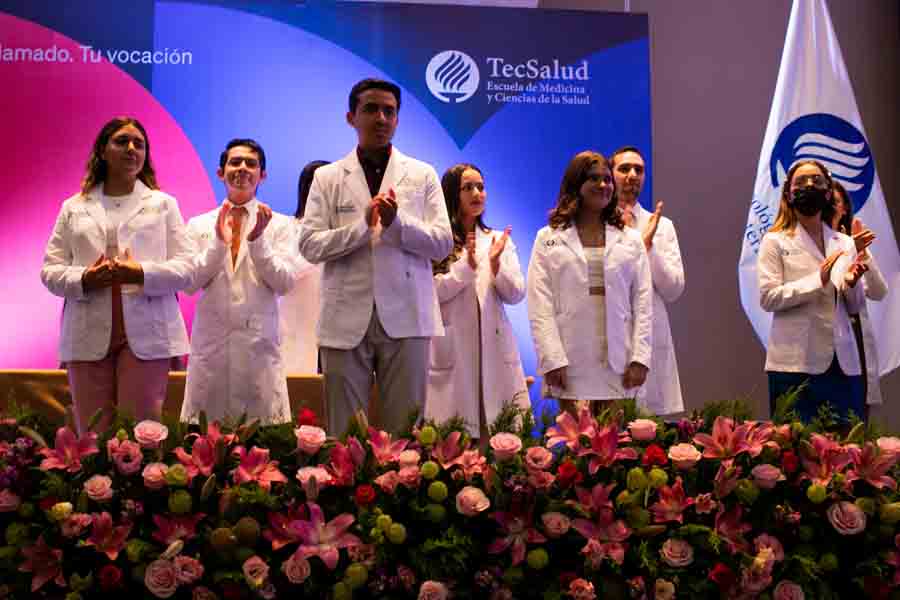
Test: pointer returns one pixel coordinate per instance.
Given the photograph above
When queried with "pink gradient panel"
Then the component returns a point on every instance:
(50, 123)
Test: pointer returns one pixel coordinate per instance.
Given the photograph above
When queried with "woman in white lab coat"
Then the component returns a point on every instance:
(475, 366)
(807, 279)
(839, 215)
(590, 294)
(118, 254)
(300, 307)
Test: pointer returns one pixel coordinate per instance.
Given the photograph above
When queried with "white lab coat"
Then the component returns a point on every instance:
(235, 365)
(875, 288)
(156, 235)
(299, 314)
(390, 268)
(468, 297)
(558, 301)
(661, 394)
(810, 323)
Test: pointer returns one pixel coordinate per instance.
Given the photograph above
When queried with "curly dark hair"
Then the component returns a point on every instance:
(568, 204)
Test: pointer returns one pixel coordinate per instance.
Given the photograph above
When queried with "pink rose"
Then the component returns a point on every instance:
(505, 446)
(309, 438)
(409, 476)
(99, 488)
(788, 590)
(581, 589)
(409, 458)
(256, 571)
(187, 569)
(296, 568)
(75, 524)
(150, 434)
(388, 481)
(433, 590)
(846, 517)
(470, 501)
(677, 552)
(704, 504)
(155, 475)
(767, 541)
(684, 456)
(127, 455)
(541, 480)
(642, 430)
(9, 501)
(889, 444)
(766, 476)
(538, 458)
(322, 476)
(203, 593)
(160, 578)
(556, 524)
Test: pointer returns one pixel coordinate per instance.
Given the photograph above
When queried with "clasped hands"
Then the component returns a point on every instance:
(223, 228)
(106, 272)
(862, 239)
(382, 208)
(498, 245)
(634, 376)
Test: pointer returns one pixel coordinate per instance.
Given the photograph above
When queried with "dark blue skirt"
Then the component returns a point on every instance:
(845, 393)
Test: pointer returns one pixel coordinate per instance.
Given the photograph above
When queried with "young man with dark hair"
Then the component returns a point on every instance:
(661, 393)
(376, 219)
(245, 258)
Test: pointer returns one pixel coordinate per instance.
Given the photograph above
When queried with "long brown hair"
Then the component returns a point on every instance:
(95, 172)
(569, 201)
(839, 194)
(786, 220)
(451, 184)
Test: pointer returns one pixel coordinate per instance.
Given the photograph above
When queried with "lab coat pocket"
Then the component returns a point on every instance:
(443, 350)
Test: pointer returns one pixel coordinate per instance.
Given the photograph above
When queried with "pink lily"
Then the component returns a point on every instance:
(325, 539)
(345, 460)
(672, 503)
(201, 460)
(283, 528)
(170, 529)
(472, 463)
(516, 535)
(383, 447)
(730, 529)
(105, 538)
(448, 450)
(604, 450)
(44, 562)
(726, 480)
(759, 436)
(255, 466)
(822, 459)
(726, 441)
(872, 466)
(605, 536)
(570, 431)
(595, 500)
(69, 450)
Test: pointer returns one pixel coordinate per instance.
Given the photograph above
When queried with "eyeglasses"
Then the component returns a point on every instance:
(803, 180)
(235, 161)
(472, 186)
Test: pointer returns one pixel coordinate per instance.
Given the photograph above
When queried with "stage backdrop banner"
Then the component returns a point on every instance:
(814, 115)
(515, 91)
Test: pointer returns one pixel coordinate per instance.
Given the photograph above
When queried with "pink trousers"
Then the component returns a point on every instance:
(136, 387)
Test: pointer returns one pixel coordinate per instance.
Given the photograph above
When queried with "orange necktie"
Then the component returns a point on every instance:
(237, 219)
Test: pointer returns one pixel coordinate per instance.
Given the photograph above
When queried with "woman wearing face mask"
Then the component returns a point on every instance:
(839, 215)
(589, 292)
(118, 254)
(475, 366)
(807, 279)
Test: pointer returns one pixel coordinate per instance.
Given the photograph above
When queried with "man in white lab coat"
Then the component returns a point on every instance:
(661, 393)
(377, 219)
(245, 258)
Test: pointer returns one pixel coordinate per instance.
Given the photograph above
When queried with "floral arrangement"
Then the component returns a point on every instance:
(615, 506)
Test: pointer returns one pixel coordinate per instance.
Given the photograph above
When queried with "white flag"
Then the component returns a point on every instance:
(814, 115)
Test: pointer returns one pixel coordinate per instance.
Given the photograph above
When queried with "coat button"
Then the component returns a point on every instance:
(407, 274)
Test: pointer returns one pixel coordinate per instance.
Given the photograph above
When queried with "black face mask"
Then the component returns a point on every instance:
(809, 201)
